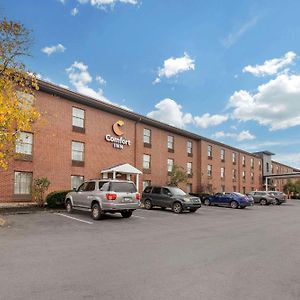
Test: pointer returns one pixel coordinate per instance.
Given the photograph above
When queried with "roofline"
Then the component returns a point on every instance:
(56, 90)
(284, 165)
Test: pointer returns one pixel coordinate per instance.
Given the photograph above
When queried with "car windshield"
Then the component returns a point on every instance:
(177, 191)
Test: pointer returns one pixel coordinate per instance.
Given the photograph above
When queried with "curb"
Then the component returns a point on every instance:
(2, 222)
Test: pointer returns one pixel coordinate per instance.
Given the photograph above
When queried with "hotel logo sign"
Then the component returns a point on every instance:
(118, 141)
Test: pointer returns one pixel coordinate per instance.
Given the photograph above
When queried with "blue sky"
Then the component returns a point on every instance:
(227, 70)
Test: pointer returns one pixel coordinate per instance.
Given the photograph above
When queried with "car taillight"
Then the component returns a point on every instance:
(111, 196)
(138, 196)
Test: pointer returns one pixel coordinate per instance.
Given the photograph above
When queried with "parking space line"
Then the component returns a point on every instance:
(66, 216)
(139, 217)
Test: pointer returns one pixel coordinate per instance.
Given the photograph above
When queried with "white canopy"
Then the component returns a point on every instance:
(124, 169)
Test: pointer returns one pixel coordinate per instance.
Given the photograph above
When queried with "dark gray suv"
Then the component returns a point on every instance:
(171, 197)
(104, 196)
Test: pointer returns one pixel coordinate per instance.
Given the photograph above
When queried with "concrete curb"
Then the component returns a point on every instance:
(2, 222)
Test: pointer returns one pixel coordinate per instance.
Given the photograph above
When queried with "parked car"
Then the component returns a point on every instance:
(234, 200)
(104, 196)
(279, 197)
(171, 197)
(262, 197)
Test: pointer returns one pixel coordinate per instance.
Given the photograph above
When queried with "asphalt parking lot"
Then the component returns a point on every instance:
(215, 253)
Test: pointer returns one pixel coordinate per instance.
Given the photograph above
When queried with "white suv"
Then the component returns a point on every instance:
(104, 196)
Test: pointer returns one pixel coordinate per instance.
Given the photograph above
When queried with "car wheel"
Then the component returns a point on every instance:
(234, 204)
(148, 204)
(263, 202)
(279, 203)
(163, 208)
(69, 207)
(177, 208)
(207, 202)
(96, 212)
(275, 202)
(126, 214)
(192, 210)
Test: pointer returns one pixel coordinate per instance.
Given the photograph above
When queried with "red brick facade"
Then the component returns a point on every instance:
(53, 136)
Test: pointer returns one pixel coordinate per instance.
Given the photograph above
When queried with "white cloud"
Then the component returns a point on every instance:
(62, 1)
(170, 112)
(104, 3)
(173, 66)
(275, 104)
(242, 136)
(100, 80)
(64, 86)
(272, 66)
(208, 120)
(290, 159)
(233, 37)
(54, 49)
(74, 11)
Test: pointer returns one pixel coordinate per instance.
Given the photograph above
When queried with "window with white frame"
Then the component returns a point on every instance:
(244, 175)
(24, 143)
(170, 142)
(222, 154)
(233, 157)
(146, 183)
(76, 181)
(189, 168)
(252, 177)
(78, 117)
(222, 172)
(252, 163)
(189, 188)
(243, 160)
(209, 151)
(147, 136)
(234, 174)
(22, 183)
(77, 151)
(170, 165)
(209, 170)
(189, 147)
(146, 161)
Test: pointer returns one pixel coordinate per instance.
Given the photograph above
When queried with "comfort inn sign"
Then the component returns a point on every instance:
(118, 141)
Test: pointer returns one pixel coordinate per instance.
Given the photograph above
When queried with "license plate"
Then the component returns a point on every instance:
(126, 200)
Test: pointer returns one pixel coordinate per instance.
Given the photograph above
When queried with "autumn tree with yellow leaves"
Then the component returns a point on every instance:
(17, 86)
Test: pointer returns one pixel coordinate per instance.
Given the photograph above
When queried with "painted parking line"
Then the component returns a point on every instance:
(76, 219)
(139, 217)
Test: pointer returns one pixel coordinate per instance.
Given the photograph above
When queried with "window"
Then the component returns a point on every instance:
(147, 189)
(22, 183)
(24, 143)
(147, 136)
(244, 175)
(189, 188)
(156, 190)
(234, 158)
(223, 188)
(222, 173)
(146, 183)
(166, 192)
(252, 177)
(259, 165)
(76, 181)
(252, 163)
(209, 170)
(244, 190)
(209, 151)
(170, 142)
(146, 162)
(90, 186)
(222, 154)
(77, 151)
(189, 147)
(78, 117)
(272, 168)
(268, 167)
(234, 188)
(170, 165)
(234, 174)
(277, 169)
(189, 168)
(122, 187)
(244, 161)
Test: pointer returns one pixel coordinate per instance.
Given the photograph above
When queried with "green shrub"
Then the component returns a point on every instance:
(57, 199)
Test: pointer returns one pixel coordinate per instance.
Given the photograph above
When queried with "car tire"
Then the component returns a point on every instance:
(234, 204)
(279, 202)
(126, 214)
(148, 204)
(69, 207)
(97, 214)
(242, 207)
(177, 208)
(263, 202)
(275, 202)
(192, 210)
(207, 202)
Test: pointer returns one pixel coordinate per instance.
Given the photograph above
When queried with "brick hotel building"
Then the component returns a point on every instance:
(78, 137)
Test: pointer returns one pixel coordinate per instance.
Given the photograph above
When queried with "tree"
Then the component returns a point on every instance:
(177, 176)
(40, 186)
(17, 87)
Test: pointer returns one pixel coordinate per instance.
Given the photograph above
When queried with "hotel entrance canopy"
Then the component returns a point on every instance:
(123, 169)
